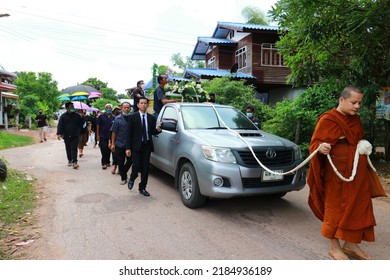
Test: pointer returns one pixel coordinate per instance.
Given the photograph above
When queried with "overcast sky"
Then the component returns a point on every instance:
(116, 41)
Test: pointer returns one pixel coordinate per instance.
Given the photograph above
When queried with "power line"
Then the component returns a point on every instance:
(104, 29)
(96, 41)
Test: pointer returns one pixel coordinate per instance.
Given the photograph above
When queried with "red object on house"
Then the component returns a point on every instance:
(7, 87)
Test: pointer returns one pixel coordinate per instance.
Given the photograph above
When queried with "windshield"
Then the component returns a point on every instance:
(196, 117)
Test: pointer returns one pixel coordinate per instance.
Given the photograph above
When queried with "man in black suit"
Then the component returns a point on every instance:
(139, 144)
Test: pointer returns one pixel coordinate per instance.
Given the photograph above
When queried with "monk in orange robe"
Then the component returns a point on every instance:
(345, 208)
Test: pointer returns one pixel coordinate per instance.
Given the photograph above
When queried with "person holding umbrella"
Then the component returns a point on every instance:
(85, 131)
(69, 128)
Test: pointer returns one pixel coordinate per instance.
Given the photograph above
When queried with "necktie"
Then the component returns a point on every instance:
(144, 135)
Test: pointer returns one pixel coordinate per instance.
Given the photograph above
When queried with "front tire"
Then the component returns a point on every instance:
(189, 187)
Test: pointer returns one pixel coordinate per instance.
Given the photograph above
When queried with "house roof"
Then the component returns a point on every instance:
(178, 79)
(203, 44)
(221, 32)
(7, 87)
(9, 95)
(223, 28)
(213, 73)
(9, 75)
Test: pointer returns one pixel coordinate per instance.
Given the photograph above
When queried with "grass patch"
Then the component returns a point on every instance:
(17, 196)
(9, 140)
(17, 200)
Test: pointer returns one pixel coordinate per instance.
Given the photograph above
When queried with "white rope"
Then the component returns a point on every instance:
(303, 163)
(254, 155)
(363, 148)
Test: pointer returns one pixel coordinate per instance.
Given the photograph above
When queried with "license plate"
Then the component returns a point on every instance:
(268, 176)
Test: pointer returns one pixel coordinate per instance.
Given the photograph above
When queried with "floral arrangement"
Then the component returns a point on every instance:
(186, 91)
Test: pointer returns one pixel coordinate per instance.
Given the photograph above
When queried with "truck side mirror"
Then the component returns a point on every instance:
(169, 124)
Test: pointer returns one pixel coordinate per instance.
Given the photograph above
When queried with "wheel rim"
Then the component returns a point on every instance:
(186, 185)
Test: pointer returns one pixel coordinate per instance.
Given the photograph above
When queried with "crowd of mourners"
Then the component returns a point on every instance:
(123, 135)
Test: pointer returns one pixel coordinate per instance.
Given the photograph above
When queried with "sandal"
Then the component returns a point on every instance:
(113, 169)
(335, 256)
(357, 256)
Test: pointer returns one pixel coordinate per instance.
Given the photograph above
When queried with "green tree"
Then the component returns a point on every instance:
(154, 77)
(42, 87)
(254, 15)
(29, 106)
(296, 119)
(100, 103)
(122, 96)
(95, 83)
(107, 93)
(184, 63)
(335, 38)
(237, 94)
(339, 42)
(159, 70)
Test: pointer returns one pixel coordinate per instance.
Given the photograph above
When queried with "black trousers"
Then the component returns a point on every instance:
(71, 143)
(114, 159)
(105, 151)
(124, 162)
(141, 164)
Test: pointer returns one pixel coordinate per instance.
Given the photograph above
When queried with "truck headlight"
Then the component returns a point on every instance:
(297, 152)
(218, 154)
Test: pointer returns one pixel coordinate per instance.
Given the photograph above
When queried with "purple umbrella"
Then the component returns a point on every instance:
(94, 95)
(80, 105)
(83, 106)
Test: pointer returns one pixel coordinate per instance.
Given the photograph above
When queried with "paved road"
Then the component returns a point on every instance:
(86, 214)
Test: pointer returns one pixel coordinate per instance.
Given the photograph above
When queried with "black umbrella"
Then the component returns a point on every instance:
(79, 88)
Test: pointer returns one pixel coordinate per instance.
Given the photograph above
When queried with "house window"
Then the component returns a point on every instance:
(241, 57)
(211, 63)
(231, 34)
(270, 56)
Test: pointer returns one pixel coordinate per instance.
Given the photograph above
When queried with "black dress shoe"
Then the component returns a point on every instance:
(144, 192)
(130, 185)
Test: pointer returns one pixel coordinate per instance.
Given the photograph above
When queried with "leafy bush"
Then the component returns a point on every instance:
(237, 94)
(304, 110)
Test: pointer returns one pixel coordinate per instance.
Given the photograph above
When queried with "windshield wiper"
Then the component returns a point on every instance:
(216, 127)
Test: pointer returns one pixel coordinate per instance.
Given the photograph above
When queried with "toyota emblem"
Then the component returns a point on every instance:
(270, 154)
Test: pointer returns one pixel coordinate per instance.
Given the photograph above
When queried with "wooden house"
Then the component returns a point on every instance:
(247, 51)
(7, 98)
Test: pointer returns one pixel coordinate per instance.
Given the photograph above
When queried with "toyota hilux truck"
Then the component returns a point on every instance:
(215, 151)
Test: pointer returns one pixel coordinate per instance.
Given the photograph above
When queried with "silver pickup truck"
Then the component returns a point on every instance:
(204, 147)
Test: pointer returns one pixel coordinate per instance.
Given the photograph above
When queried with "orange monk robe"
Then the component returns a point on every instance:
(345, 208)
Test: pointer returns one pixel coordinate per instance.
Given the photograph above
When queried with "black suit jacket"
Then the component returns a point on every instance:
(134, 131)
